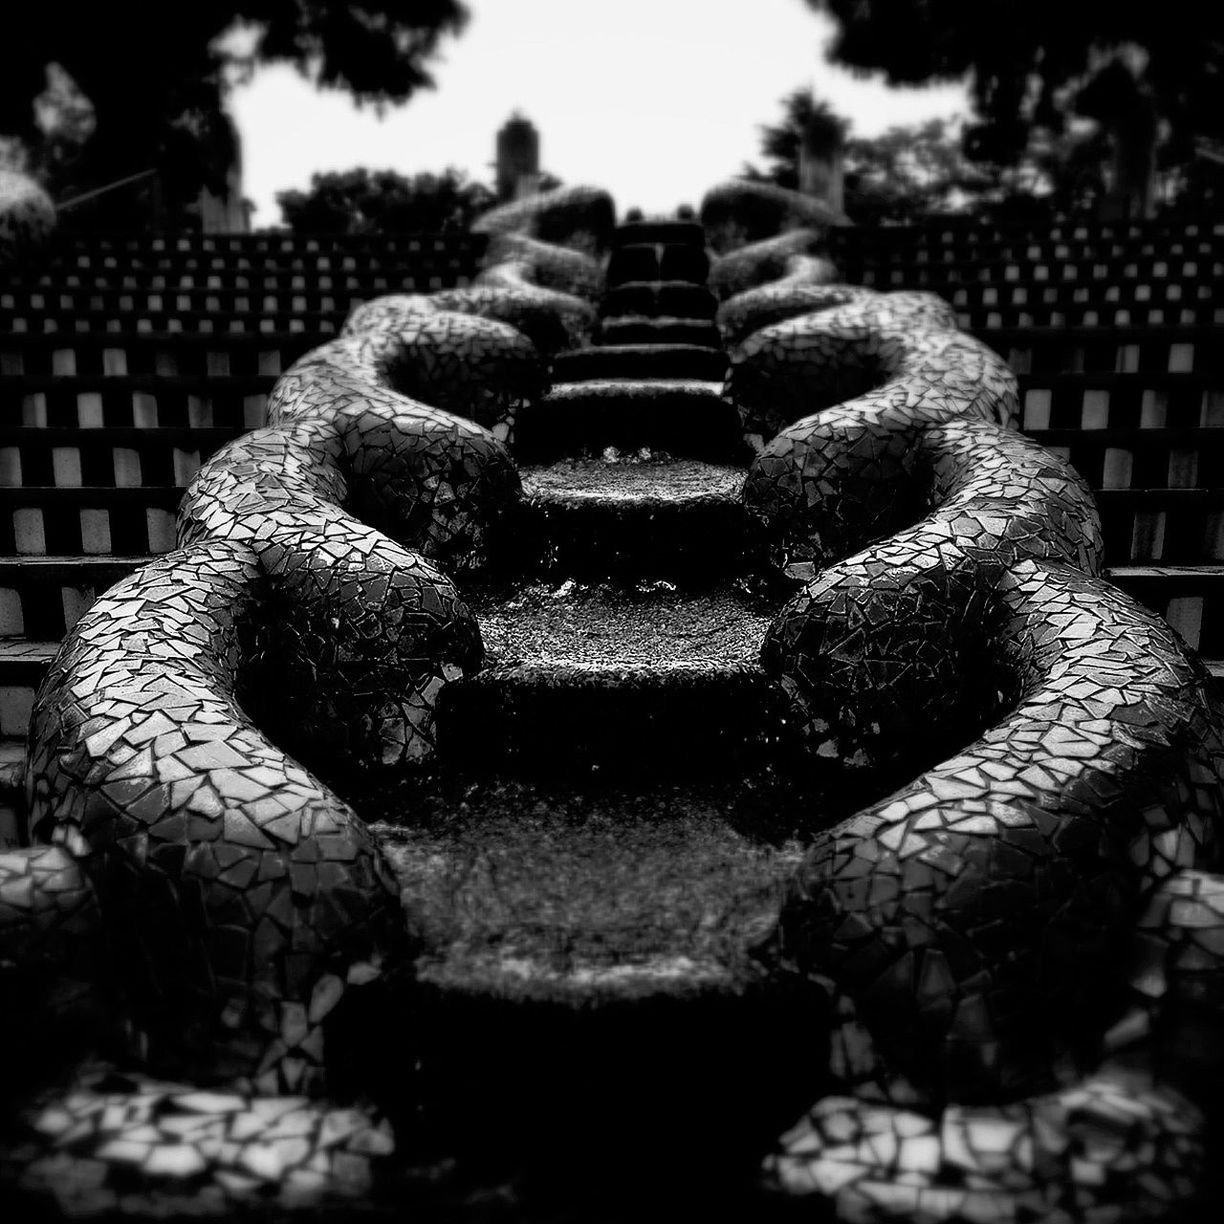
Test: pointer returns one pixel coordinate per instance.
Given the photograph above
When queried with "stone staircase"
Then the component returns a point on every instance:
(622, 724)
(126, 362)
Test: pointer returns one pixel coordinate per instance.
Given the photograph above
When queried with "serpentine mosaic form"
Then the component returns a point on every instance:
(1011, 939)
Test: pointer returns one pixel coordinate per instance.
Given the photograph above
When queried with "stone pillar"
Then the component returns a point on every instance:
(518, 159)
(821, 171)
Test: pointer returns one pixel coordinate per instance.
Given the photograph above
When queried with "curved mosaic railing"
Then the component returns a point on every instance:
(975, 927)
(972, 929)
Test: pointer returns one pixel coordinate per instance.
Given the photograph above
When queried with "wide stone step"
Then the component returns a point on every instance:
(626, 518)
(587, 988)
(135, 400)
(1162, 526)
(1189, 597)
(1168, 349)
(45, 596)
(1141, 457)
(667, 329)
(682, 417)
(615, 682)
(641, 361)
(657, 298)
(37, 520)
(667, 261)
(1161, 399)
(133, 352)
(637, 233)
(119, 456)
(23, 663)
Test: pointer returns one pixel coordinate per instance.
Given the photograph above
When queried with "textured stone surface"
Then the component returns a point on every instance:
(959, 891)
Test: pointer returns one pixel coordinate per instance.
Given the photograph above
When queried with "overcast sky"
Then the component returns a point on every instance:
(656, 100)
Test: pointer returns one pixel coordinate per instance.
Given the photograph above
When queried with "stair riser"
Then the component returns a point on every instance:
(633, 330)
(107, 458)
(1181, 527)
(662, 261)
(543, 722)
(90, 522)
(1193, 606)
(665, 298)
(638, 233)
(135, 355)
(707, 365)
(692, 424)
(686, 543)
(152, 404)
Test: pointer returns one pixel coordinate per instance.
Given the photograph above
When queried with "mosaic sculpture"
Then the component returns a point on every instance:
(1030, 921)
(975, 928)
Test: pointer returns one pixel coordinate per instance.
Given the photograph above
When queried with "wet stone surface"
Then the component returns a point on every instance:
(652, 626)
(583, 894)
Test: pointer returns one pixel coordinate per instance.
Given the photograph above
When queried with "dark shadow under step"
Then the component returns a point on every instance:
(667, 329)
(641, 361)
(654, 298)
(686, 417)
(670, 261)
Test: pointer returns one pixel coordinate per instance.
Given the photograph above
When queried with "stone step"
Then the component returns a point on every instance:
(135, 353)
(589, 949)
(271, 295)
(1141, 457)
(118, 456)
(45, 596)
(678, 519)
(615, 682)
(654, 299)
(316, 327)
(641, 361)
(1121, 401)
(1162, 526)
(1189, 597)
(23, 663)
(638, 233)
(666, 261)
(667, 329)
(136, 400)
(681, 417)
(984, 320)
(36, 520)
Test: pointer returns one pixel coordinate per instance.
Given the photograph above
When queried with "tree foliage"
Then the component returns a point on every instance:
(155, 72)
(382, 201)
(911, 171)
(802, 113)
(1147, 73)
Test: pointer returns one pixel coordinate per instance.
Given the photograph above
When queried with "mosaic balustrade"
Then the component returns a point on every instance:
(1014, 940)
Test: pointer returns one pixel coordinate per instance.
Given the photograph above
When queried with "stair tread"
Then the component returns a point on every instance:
(539, 630)
(64, 561)
(565, 895)
(656, 481)
(610, 386)
(1206, 570)
(26, 650)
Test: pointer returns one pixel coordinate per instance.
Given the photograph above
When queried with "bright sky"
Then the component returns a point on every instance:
(655, 100)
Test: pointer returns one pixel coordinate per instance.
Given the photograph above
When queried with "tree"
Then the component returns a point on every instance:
(155, 73)
(913, 171)
(802, 114)
(1139, 69)
(381, 201)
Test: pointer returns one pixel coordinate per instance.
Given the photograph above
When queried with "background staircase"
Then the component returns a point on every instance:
(125, 362)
